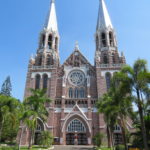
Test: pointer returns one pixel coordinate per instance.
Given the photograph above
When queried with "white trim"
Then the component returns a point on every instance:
(76, 115)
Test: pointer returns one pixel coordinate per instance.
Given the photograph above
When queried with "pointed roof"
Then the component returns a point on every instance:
(77, 53)
(51, 23)
(104, 20)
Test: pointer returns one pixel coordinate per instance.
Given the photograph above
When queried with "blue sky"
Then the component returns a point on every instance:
(22, 20)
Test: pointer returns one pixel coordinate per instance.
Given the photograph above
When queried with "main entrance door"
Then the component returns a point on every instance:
(76, 133)
(81, 138)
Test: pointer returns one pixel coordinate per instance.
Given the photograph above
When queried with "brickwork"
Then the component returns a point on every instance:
(74, 104)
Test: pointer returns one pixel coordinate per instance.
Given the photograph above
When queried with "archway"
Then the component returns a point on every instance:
(38, 131)
(77, 131)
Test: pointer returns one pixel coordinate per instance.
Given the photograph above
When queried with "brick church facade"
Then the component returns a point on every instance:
(75, 85)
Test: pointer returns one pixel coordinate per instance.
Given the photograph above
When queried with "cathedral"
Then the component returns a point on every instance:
(76, 85)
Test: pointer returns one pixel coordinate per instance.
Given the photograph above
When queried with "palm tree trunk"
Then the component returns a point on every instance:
(112, 140)
(30, 139)
(20, 139)
(142, 121)
(108, 137)
(123, 133)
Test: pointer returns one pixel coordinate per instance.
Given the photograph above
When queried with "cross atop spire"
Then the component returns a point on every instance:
(77, 45)
(104, 20)
(51, 23)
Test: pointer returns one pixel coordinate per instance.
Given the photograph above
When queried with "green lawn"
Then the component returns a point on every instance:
(24, 148)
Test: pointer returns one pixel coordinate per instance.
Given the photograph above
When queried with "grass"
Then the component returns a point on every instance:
(26, 148)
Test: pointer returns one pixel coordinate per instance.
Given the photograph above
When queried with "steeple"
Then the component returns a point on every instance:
(49, 39)
(104, 20)
(51, 23)
(105, 34)
(105, 39)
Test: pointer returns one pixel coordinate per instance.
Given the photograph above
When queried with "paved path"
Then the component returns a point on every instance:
(61, 147)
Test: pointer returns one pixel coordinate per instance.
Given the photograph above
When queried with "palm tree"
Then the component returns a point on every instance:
(117, 104)
(120, 91)
(34, 109)
(104, 106)
(140, 79)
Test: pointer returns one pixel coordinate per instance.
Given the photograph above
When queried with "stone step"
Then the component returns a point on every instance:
(61, 147)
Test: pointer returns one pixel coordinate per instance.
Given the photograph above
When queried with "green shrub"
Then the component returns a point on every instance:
(98, 139)
(46, 139)
(120, 147)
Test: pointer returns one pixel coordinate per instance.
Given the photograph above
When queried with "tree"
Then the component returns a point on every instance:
(6, 87)
(97, 139)
(116, 105)
(140, 79)
(104, 106)
(9, 110)
(46, 139)
(34, 109)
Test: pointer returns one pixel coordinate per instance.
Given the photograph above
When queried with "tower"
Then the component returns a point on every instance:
(107, 57)
(46, 61)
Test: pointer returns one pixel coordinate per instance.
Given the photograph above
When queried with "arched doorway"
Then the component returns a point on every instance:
(38, 131)
(76, 133)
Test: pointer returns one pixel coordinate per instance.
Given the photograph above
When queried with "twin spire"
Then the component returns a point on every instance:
(51, 23)
(104, 20)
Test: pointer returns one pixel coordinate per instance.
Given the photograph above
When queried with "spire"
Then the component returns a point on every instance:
(104, 20)
(51, 23)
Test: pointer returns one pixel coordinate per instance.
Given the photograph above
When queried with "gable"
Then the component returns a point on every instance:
(76, 59)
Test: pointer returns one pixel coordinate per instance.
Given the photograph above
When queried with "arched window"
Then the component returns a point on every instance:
(43, 41)
(111, 39)
(56, 43)
(37, 81)
(108, 80)
(45, 81)
(117, 128)
(97, 42)
(50, 41)
(70, 93)
(76, 126)
(82, 93)
(49, 60)
(38, 128)
(105, 59)
(76, 94)
(103, 38)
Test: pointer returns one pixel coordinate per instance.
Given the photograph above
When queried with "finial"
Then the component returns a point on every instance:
(53, 1)
(76, 45)
(122, 54)
(31, 57)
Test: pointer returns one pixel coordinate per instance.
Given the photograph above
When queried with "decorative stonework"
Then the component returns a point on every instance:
(76, 77)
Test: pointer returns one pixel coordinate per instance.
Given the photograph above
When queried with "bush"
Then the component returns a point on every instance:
(98, 139)
(46, 139)
(120, 147)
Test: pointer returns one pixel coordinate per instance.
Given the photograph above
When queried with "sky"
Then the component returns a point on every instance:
(22, 21)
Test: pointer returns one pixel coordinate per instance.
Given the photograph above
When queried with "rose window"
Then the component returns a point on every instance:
(76, 77)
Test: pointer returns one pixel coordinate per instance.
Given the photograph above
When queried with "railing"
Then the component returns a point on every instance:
(110, 65)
